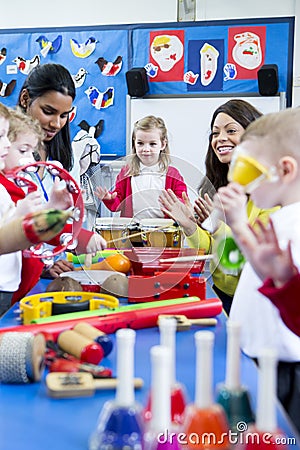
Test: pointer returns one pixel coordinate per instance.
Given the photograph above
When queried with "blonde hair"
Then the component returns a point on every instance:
(149, 123)
(19, 123)
(4, 111)
(280, 131)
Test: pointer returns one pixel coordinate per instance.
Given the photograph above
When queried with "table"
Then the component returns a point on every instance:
(30, 420)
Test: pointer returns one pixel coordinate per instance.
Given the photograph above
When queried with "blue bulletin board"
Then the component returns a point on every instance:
(192, 58)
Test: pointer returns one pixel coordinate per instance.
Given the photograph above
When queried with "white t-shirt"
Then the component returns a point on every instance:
(11, 263)
(146, 188)
(261, 324)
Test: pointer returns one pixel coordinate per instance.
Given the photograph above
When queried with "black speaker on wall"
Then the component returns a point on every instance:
(137, 82)
(267, 77)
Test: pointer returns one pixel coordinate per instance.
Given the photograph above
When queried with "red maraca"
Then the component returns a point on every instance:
(96, 335)
(86, 350)
(206, 425)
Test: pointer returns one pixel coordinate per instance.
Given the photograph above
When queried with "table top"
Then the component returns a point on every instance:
(31, 420)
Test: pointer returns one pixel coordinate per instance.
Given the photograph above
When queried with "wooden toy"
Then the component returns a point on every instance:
(204, 418)
(83, 348)
(231, 394)
(66, 384)
(165, 285)
(96, 335)
(146, 261)
(183, 323)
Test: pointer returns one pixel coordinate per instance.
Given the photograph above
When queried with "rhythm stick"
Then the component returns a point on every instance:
(135, 319)
(231, 395)
(180, 259)
(167, 329)
(213, 305)
(205, 418)
(120, 422)
(265, 428)
(247, 172)
(120, 239)
(160, 423)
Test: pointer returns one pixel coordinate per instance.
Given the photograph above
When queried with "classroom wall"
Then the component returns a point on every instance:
(57, 13)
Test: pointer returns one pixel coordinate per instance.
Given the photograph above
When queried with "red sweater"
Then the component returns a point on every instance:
(286, 299)
(123, 200)
(32, 267)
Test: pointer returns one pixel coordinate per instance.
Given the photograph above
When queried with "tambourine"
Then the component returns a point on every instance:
(23, 178)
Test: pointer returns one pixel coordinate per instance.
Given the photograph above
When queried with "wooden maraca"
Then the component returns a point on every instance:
(96, 335)
(83, 348)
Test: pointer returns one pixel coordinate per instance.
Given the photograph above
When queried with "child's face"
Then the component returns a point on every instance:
(21, 151)
(4, 141)
(226, 134)
(148, 146)
(267, 192)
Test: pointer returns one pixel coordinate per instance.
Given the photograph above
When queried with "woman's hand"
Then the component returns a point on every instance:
(182, 213)
(203, 208)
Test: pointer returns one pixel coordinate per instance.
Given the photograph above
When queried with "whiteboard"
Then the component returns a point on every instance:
(188, 123)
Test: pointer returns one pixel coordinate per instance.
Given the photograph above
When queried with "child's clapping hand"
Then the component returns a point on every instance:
(103, 194)
(60, 198)
(31, 203)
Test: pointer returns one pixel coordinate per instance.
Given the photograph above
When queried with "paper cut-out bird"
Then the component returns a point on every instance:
(109, 68)
(100, 99)
(80, 77)
(7, 89)
(3, 52)
(48, 46)
(85, 49)
(26, 65)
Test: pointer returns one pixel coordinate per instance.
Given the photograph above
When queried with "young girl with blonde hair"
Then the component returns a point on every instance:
(146, 174)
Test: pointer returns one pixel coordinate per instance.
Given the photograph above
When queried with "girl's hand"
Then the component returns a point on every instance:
(180, 212)
(59, 198)
(96, 243)
(103, 194)
(203, 208)
(31, 203)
